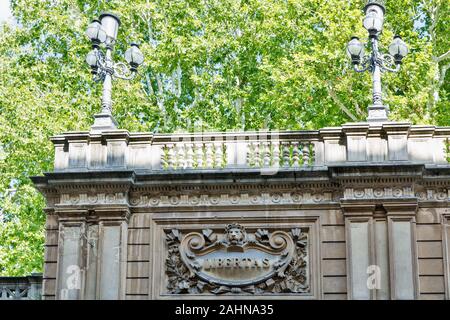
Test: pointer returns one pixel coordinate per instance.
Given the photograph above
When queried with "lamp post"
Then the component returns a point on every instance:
(376, 62)
(103, 33)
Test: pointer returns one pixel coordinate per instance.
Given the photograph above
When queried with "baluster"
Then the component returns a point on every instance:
(256, 155)
(171, 155)
(305, 154)
(209, 154)
(250, 154)
(225, 150)
(295, 154)
(189, 156)
(199, 153)
(286, 154)
(276, 154)
(180, 157)
(266, 154)
(218, 155)
(164, 157)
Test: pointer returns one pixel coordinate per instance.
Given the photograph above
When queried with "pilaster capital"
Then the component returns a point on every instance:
(356, 208)
(73, 215)
(112, 214)
(401, 207)
(116, 135)
(331, 133)
(422, 131)
(397, 128)
(356, 129)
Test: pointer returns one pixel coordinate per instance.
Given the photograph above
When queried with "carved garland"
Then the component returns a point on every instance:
(288, 271)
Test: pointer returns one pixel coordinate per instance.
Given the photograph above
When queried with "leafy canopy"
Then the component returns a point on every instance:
(210, 65)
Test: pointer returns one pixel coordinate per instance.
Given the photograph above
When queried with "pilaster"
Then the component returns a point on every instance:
(421, 138)
(112, 252)
(397, 136)
(334, 149)
(360, 247)
(446, 249)
(116, 148)
(356, 135)
(377, 149)
(401, 215)
(70, 276)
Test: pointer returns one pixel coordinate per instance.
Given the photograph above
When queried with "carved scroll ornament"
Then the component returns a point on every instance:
(237, 262)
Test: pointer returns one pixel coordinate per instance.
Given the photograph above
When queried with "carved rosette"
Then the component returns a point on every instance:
(237, 262)
(234, 199)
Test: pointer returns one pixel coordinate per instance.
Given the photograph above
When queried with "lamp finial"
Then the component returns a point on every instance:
(379, 3)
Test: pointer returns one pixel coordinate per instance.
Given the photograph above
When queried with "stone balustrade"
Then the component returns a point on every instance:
(354, 142)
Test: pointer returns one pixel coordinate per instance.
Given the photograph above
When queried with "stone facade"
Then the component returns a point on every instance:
(353, 212)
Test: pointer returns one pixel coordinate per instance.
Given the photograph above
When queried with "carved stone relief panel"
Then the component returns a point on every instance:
(93, 198)
(233, 259)
(435, 194)
(379, 192)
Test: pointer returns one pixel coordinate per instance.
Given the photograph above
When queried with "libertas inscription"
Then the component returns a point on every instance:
(236, 261)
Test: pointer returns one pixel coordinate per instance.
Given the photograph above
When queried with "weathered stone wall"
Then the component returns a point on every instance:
(346, 203)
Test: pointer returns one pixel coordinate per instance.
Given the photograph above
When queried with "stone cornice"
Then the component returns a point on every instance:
(240, 188)
(358, 171)
(364, 173)
(323, 176)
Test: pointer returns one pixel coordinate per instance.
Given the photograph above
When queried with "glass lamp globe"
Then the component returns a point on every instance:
(134, 56)
(91, 58)
(355, 49)
(95, 32)
(373, 23)
(110, 23)
(398, 49)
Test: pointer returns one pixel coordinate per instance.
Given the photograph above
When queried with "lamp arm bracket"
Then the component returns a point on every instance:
(387, 63)
(364, 65)
(121, 71)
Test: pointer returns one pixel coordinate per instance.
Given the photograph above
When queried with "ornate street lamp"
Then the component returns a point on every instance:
(103, 32)
(376, 62)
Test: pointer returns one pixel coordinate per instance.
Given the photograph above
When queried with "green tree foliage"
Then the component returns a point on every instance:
(210, 65)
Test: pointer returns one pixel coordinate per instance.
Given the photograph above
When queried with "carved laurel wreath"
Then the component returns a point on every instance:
(291, 278)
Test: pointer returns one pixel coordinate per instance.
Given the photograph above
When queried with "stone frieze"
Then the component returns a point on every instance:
(231, 199)
(262, 198)
(379, 192)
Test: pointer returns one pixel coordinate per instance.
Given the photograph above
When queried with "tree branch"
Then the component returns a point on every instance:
(442, 75)
(338, 101)
(442, 57)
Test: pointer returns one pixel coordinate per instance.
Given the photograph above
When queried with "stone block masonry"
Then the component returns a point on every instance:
(354, 212)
